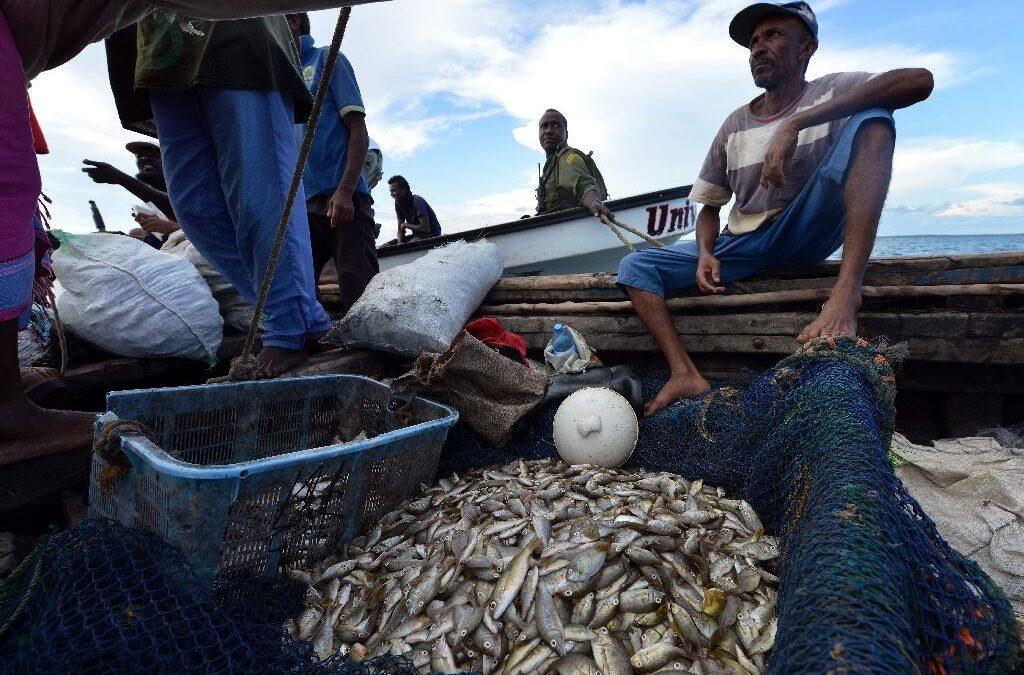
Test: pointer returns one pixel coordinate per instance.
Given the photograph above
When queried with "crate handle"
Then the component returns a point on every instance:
(108, 447)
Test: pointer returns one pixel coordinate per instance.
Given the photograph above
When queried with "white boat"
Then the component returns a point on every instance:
(571, 241)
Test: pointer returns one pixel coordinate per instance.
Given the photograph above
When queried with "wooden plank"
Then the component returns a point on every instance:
(349, 362)
(965, 350)
(755, 299)
(985, 275)
(28, 481)
(119, 371)
(897, 326)
(925, 263)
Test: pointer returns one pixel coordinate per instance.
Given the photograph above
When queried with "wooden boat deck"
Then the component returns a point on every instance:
(963, 317)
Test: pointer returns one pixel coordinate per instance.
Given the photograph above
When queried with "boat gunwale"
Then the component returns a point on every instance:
(533, 222)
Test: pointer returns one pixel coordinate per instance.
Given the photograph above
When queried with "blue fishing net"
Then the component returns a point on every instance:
(866, 582)
(100, 598)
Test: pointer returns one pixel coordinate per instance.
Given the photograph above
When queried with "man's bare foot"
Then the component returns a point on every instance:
(28, 431)
(676, 388)
(276, 361)
(837, 318)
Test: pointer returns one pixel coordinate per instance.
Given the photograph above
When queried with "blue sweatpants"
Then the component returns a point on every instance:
(806, 232)
(228, 159)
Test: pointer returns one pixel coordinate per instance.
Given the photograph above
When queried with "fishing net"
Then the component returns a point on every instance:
(104, 599)
(866, 582)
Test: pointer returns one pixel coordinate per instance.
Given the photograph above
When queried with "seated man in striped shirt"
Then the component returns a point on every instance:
(808, 164)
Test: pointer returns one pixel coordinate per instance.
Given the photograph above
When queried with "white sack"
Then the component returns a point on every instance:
(237, 312)
(973, 488)
(126, 297)
(420, 307)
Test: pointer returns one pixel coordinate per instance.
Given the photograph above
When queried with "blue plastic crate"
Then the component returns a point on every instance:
(248, 478)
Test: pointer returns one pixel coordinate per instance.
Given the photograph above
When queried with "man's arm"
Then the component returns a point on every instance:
(892, 90)
(421, 226)
(101, 172)
(574, 176)
(709, 226)
(341, 208)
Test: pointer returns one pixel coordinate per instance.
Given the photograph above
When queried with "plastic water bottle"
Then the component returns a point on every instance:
(561, 348)
(562, 340)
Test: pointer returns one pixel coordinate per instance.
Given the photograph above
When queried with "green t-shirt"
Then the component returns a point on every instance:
(257, 54)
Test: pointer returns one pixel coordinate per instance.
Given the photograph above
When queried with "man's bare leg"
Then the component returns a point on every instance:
(685, 380)
(26, 430)
(867, 184)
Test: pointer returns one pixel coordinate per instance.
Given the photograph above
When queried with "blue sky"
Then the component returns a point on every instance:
(454, 87)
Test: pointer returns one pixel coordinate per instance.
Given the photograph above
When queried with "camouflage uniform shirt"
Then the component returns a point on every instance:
(568, 175)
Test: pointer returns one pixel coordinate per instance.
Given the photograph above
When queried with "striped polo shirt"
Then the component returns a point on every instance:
(734, 163)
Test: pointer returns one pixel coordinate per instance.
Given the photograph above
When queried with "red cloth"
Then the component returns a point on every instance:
(493, 334)
(38, 140)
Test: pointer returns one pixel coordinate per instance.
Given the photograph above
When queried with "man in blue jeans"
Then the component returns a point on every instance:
(808, 164)
(225, 97)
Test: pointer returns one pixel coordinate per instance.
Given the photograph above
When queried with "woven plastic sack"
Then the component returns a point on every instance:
(420, 307)
(490, 391)
(129, 299)
(867, 584)
(237, 312)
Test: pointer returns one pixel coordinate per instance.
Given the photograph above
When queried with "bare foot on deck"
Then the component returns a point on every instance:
(676, 388)
(837, 318)
(276, 361)
(28, 431)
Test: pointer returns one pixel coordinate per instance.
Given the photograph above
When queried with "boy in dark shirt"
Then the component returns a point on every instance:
(416, 220)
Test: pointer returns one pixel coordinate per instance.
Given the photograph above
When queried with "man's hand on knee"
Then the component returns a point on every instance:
(709, 277)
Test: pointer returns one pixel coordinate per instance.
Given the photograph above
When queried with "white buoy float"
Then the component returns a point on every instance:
(596, 426)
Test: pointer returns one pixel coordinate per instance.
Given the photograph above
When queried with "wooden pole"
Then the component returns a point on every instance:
(776, 297)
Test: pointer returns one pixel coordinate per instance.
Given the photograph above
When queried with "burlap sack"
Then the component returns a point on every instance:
(491, 392)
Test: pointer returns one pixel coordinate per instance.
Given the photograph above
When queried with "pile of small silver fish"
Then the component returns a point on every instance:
(543, 567)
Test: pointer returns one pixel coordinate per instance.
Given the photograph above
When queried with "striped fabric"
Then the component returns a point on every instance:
(734, 163)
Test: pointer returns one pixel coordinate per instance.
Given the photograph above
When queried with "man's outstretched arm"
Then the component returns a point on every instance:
(891, 90)
(101, 172)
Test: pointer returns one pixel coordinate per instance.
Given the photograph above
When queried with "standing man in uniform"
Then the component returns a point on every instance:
(570, 179)
(338, 204)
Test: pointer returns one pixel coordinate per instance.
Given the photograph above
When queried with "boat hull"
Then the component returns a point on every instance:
(572, 241)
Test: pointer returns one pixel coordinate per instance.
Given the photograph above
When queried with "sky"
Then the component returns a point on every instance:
(454, 88)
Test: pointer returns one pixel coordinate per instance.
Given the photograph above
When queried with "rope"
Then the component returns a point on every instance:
(643, 235)
(244, 367)
(108, 447)
(618, 234)
(62, 339)
(611, 222)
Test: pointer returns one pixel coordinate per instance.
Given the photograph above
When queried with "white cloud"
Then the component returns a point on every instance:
(645, 85)
(1000, 200)
(940, 164)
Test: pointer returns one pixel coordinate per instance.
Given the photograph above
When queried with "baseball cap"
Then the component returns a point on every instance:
(741, 29)
(142, 148)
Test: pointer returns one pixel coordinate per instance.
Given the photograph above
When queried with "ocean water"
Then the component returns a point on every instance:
(929, 244)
